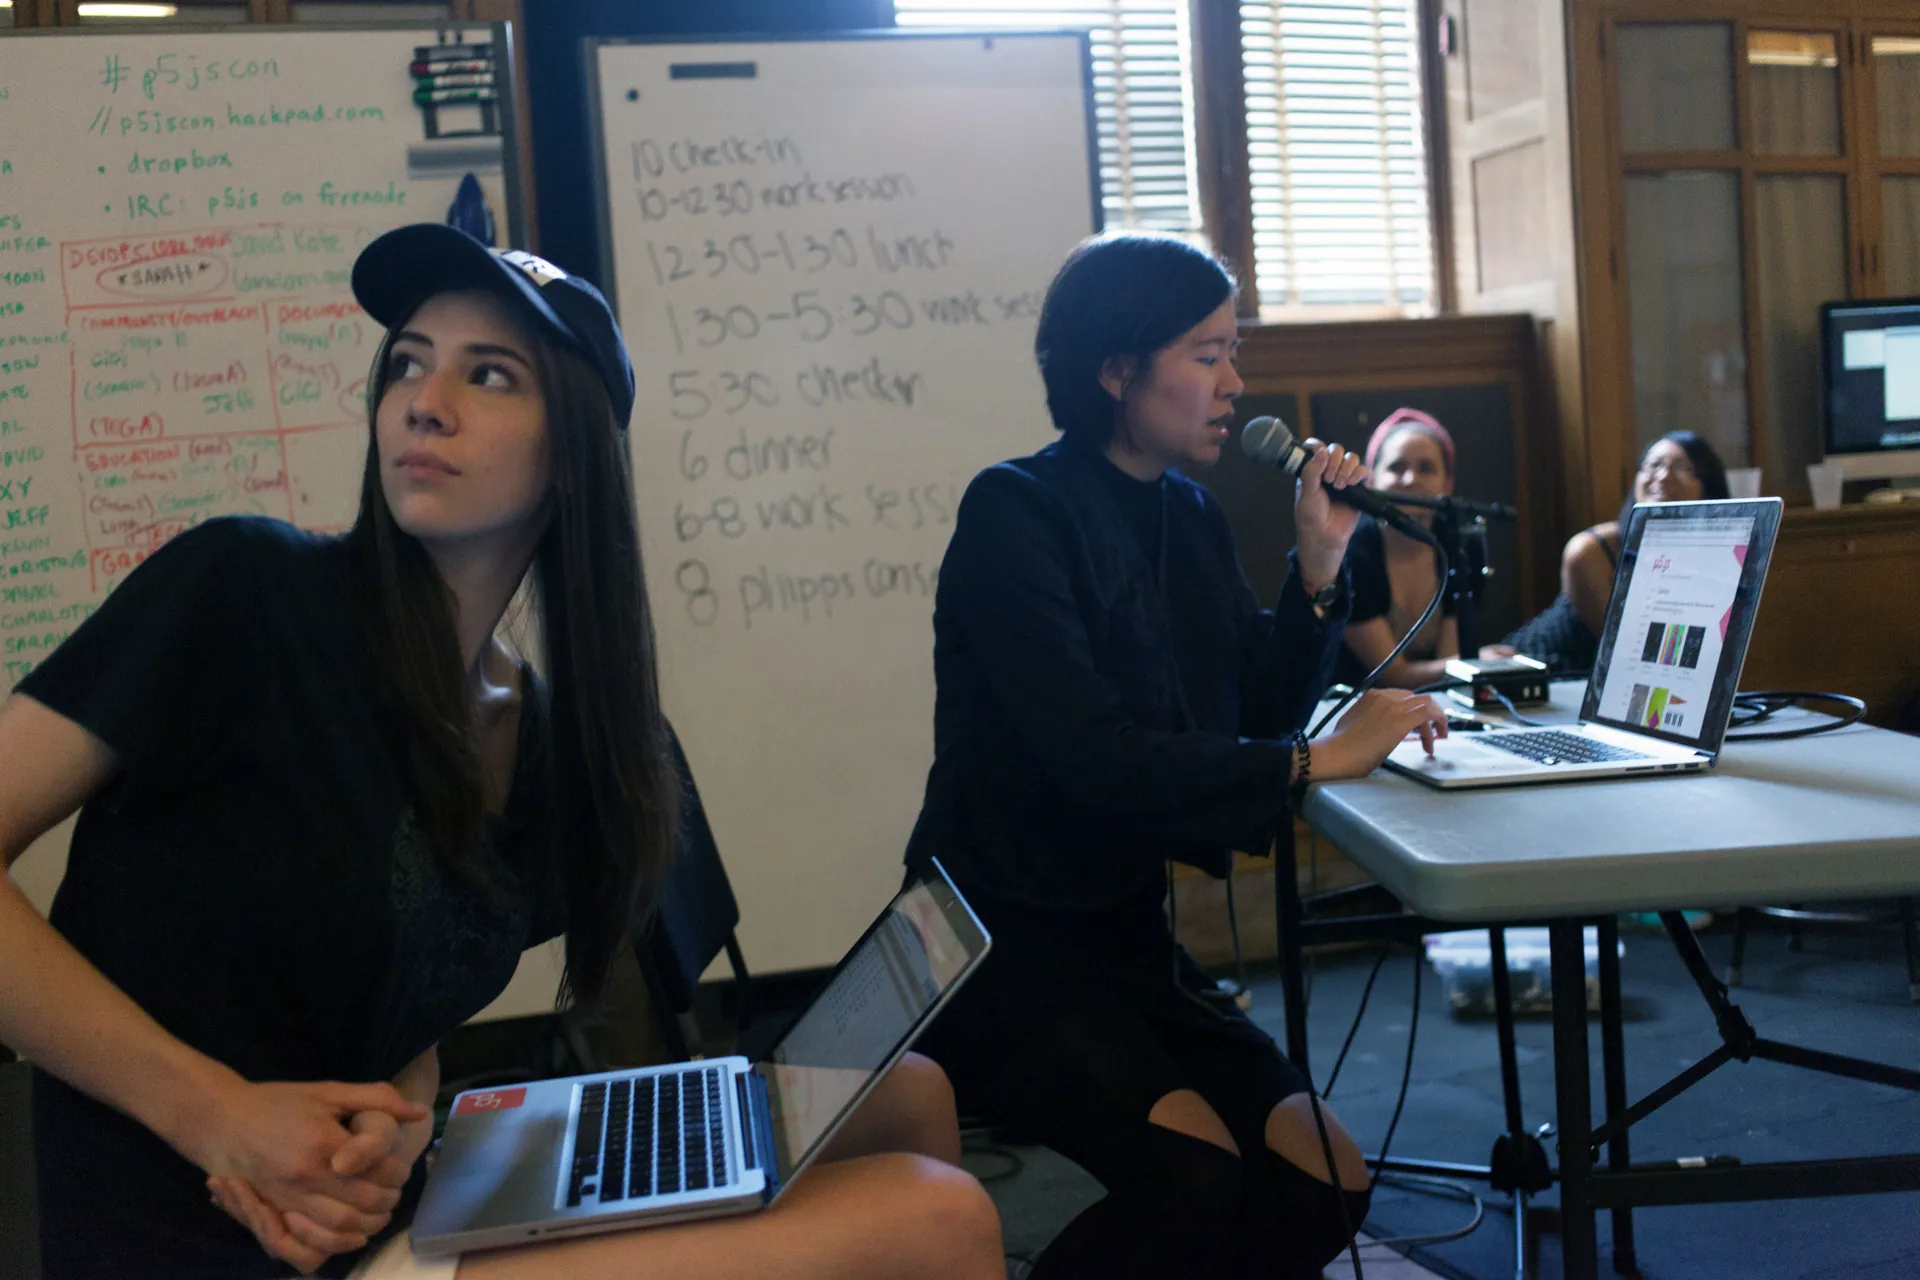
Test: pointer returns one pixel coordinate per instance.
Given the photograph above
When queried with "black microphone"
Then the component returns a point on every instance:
(1268, 442)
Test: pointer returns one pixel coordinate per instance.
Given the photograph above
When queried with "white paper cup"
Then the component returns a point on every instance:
(1743, 482)
(1824, 479)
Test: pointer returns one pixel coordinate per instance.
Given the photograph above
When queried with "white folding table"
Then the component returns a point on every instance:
(1831, 816)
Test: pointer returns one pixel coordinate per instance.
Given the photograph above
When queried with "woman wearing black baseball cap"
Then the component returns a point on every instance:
(324, 808)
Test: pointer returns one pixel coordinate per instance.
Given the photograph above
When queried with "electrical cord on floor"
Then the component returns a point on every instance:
(1407, 1182)
(1760, 705)
(1406, 1072)
(1320, 1121)
(1353, 1030)
(979, 1141)
(1423, 1185)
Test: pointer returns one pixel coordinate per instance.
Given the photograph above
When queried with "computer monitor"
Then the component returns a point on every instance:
(1870, 350)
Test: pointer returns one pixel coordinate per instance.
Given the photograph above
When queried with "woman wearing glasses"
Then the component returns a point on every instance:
(1679, 467)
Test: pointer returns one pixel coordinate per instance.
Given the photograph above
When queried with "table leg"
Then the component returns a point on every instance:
(1574, 1101)
(1503, 1017)
(1510, 1093)
(1613, 1058)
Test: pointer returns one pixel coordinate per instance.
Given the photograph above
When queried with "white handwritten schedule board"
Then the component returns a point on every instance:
(179, 213)
(828, 257)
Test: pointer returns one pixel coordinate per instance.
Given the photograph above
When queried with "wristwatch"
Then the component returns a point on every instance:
(1322, 600)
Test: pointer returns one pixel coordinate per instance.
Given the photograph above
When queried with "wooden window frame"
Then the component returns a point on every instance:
(1225, 166)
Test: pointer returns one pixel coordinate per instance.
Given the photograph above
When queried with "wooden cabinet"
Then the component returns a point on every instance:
(1736, 165)
(1841, 609)
(1730, 165)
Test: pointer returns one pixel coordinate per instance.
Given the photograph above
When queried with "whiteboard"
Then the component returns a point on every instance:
(828, 257)
(179, 213)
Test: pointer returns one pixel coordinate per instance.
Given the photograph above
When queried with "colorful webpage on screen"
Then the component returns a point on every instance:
(1673, 626)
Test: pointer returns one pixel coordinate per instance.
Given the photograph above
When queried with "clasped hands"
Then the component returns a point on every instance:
(314, 1169)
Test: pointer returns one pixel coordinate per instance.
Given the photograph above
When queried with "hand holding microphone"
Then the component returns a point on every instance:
(1323, 472)
(1268, 441)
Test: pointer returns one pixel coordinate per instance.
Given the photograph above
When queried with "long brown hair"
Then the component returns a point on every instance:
(610, 773)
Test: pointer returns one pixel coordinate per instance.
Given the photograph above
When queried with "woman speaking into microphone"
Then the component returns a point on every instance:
(1110, 700)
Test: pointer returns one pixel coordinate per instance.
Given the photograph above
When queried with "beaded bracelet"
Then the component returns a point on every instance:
(1303, 764)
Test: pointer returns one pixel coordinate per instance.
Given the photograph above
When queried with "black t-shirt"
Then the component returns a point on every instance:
(254, 875)
(1373, 594)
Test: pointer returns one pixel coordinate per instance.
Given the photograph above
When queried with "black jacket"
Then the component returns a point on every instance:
(1098, 713)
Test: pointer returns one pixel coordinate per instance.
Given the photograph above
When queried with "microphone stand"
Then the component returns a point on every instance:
(1461, 528)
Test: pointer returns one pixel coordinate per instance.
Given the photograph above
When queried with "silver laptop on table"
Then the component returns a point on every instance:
(1669, 663)
(704, 1139)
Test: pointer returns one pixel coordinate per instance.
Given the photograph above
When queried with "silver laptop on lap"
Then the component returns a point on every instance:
(705, 1139)
(1662, 686)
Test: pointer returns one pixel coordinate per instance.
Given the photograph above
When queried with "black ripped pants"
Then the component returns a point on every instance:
(1071, 1037)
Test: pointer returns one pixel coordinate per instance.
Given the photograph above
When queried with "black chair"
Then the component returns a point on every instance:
(694, 922)
(1904, 910)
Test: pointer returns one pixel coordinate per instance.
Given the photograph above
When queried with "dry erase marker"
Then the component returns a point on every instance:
(440, 97)
(452, 67)
(455, 82)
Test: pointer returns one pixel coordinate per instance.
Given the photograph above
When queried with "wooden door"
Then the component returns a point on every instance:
(1511, 201)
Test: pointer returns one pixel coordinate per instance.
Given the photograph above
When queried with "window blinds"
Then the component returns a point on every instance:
(1338, 163)
(1142, 92)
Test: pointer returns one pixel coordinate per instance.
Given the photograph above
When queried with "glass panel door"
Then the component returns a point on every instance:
(1685, 308)
(1800, 235)
(1676, 86)
(1900, 235)
(1793, 92)
(1896, 81)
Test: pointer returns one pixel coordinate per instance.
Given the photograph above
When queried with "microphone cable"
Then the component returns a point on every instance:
(1420, 624)
(1366, 993)
(1410, 1182)
(1406, 1079)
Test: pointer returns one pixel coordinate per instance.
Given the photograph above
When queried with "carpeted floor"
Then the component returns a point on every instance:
(1845, 992)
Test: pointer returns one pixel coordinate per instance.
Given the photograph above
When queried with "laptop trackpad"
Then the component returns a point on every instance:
(1458, 754)
(493, 1173)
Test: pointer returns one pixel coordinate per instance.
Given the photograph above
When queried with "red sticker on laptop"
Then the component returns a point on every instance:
(490, 1100)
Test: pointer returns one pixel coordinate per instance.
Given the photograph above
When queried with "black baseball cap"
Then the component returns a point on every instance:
(406, 266)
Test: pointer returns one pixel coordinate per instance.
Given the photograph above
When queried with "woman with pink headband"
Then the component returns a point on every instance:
(1393, 575)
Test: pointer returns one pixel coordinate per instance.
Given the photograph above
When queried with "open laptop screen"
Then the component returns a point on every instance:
(910, 960)
(1682, 611)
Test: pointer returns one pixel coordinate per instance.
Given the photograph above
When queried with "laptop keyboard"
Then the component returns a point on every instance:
(649, 1136)
(1554, 747)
